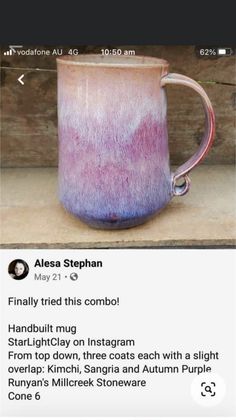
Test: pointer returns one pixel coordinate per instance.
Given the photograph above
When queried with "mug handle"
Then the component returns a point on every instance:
(207, 140)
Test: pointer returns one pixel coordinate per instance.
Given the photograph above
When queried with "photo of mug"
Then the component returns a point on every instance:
(114, 169)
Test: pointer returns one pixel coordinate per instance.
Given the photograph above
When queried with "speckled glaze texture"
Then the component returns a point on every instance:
(113, 147)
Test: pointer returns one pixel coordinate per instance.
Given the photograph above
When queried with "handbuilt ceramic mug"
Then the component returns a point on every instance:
(114, 167)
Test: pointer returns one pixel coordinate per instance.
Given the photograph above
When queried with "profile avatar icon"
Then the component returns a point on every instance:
(18, 269)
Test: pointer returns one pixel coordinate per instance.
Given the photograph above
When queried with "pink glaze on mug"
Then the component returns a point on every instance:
(114, 167)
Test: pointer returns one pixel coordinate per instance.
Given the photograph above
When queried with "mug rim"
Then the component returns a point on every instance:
(142, 61)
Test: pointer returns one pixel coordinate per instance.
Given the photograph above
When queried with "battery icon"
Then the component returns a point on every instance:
(224, 51)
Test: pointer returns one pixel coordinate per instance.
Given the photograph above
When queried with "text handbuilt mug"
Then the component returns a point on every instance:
(114, 167)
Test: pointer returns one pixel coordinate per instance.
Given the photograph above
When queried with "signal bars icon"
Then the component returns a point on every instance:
(12, 50)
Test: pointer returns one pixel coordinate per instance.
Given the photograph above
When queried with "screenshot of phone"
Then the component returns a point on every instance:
(118, 229)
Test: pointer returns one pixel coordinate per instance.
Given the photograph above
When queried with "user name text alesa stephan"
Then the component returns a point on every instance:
(86, 263)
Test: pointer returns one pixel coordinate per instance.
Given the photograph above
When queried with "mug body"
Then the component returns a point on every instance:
(113, 145)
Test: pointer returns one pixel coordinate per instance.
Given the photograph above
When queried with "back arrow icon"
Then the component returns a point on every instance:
(20, 79)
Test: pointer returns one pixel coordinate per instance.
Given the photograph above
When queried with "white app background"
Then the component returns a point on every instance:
(169, 300)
